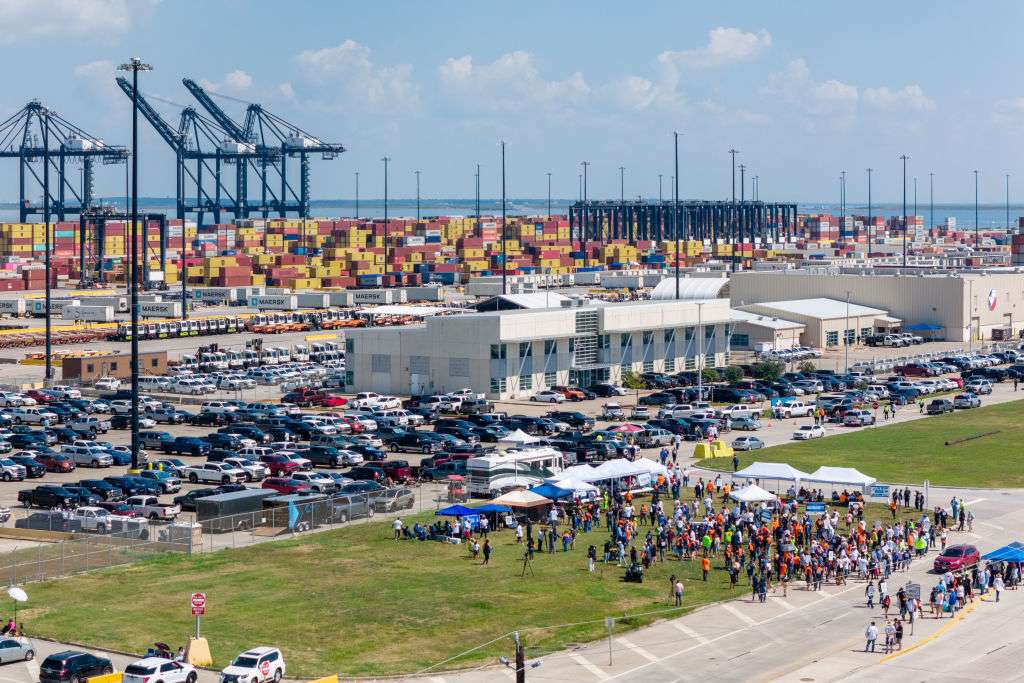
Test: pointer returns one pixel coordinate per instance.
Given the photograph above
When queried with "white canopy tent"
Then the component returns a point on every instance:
(770, 470)
(582, 473)
(651, 467)
(518, 438)
(752, 494)
(840, 476)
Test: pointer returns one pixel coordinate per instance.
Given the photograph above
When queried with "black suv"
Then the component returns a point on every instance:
(573, 418)
(72, 665)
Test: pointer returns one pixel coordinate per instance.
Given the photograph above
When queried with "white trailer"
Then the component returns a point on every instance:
(274, 302)
(92, 314)
(160, 309)
(312, 300)
(14, 307)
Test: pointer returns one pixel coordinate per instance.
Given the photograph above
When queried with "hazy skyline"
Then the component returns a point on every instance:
(802, 90)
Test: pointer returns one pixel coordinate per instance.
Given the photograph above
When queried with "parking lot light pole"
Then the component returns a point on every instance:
(846, 338)
(45, 118)
(135, 65)
(700, 351)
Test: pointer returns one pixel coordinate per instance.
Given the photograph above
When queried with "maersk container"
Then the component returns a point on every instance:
(424, 293)
(312, 300)
(160, 309)
(12, 306)
(378, 296)
(57, 306)
(119, 303)
(92, 314)
(343, 298)
(274, 302)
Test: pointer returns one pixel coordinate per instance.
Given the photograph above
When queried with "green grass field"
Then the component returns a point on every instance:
(911, 452)
(357, 602)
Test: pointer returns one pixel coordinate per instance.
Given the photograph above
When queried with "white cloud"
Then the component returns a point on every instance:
(512, 82)
(96, 80)
(831, 99)
(1009, 113)
(349, 68)
(726, 45)
(29, 19)
(909, 97)
(236, 81)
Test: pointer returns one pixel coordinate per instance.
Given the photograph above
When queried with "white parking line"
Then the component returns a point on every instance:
(782, 601)
(746, 619)
(686, 630)
(637, 649)
(588, 665)
(994, 526)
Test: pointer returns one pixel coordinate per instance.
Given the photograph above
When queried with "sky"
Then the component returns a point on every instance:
(804, 90)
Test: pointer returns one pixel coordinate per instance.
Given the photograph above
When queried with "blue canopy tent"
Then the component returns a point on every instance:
(925, 329)
(490, 507)
(456, 511)
(1013, 552)
(551, 491)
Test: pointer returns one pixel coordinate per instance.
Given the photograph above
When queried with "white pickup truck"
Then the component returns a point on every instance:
(736, 411)
(150, 507)
(793, 409)
(685, 410)
(94, 519)
(88, 425)
(215, 473)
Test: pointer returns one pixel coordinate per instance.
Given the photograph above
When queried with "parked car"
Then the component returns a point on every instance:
(809, 432)
(73, 665)
(548, 396)
(159, 670)
(966, 401)
(955, 558)
(940, 406)
(858, 418)
(747, 443)
(15, 650)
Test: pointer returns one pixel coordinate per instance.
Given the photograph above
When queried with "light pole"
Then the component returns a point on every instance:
(135, 65)
(586, 226)
(417, 172)
(45, 120)
(357, 195)
(846, 338)
(1007, 202)
(700, 350)
(732, 211)
(931, 200)
(504, 230)
(386, 161)
(915, 200)
(659, 189)
(549, 195)
(622, 184)
(757, 195)
(977, 239)
(870, 226)
(478, 200)
(675, 206)
(842, 204)
(904, 157)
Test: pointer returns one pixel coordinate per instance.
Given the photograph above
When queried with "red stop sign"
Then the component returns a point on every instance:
(265, 668)
(198, 604)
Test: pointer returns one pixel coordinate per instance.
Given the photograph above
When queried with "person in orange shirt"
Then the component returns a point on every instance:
(705, 566)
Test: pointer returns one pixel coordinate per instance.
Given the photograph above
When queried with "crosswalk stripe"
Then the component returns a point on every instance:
(782, 601)
(749, 621)
(686, 630)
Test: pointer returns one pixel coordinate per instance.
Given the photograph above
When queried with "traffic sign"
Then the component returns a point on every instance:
(198, 604)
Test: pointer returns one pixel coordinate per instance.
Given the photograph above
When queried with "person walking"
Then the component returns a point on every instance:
(487, 551)
(871, 636)
(397, 527)
(679, 592)
(998, 585)
(869, 591)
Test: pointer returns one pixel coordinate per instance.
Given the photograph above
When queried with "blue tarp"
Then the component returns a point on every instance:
(1014, 552)
(551, 491)
(923, 327)
(491, 507)
(456, 511)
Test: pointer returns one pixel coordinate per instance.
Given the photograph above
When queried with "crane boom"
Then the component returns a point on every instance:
(164, 129)
(218, 114)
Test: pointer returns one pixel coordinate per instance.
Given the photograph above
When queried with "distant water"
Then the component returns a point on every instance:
(989, 215)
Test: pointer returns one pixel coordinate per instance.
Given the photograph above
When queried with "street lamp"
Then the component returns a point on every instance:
(977, 240)
(622, 184)
(504, 230)
(478, 200)
(549, 195)
(732, 211)
(870, 227)
(135, 65)
(386, 161)
(357, 195)
(45, 120)
(586, 255)
(417, 195)
(904, 157)
(675, 206)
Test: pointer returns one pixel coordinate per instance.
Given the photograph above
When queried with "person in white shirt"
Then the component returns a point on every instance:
(871, 635)
(397, 526)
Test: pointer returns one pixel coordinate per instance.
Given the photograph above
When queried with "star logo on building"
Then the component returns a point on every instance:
(992, 300)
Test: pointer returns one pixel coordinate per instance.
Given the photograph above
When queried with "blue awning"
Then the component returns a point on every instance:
(551, 492)
(456, 511)
(1013, 552)
(491, 507)
(923, 327)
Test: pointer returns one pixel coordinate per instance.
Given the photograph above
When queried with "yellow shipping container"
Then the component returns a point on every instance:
(259, 279)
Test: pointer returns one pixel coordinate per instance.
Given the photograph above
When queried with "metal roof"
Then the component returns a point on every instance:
(763, 320)
(826, 309)
(535, 299)
(691, 288)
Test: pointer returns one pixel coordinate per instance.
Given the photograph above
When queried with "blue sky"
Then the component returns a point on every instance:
(802, 89)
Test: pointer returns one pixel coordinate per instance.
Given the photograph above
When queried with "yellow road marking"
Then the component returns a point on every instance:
(945, 627)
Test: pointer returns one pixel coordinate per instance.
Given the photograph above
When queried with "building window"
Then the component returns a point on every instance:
(550, 379)
(670, 336)
(851, 336)
(550, 346)
(380, 363)
(113, 366)
(648, 366)
(688, 333)
(419, 365)
(709, 361)
(832, 338)
(624, 340)
(526, 381)
(498, 385)
(709, 332)
(739, 341)
(458, 367)
(865, 332)
(89, 367)
(525, 350)
(153, 362)
(670, 365)
(350, 346)
(497, 351)
(648, 338)
(604, 341)
(691, 363)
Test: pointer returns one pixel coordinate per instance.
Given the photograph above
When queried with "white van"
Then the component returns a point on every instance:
(217, 407)
(154, 382)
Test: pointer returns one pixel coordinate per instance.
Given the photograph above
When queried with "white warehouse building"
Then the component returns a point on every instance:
(513, 354)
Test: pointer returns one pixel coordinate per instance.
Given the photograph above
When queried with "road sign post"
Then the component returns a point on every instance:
(198, 602)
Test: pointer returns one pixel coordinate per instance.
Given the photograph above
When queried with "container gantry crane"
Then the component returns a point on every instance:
(203, 141)
(21, 138)
(275, 140)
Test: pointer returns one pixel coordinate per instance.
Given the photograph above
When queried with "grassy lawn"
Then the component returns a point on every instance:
(914, 451)
(357, 602)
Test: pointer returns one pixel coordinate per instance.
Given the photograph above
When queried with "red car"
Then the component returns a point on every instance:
(55, 462)
(278, 465)
(956, 557)
(331, 400)
(39, 396)
(283, 485)
(117, 508)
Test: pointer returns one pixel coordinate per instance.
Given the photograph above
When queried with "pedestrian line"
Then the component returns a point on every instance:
(749, 621)
(637, 649)
(782, 601)
(588, 665)
(686, 630)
